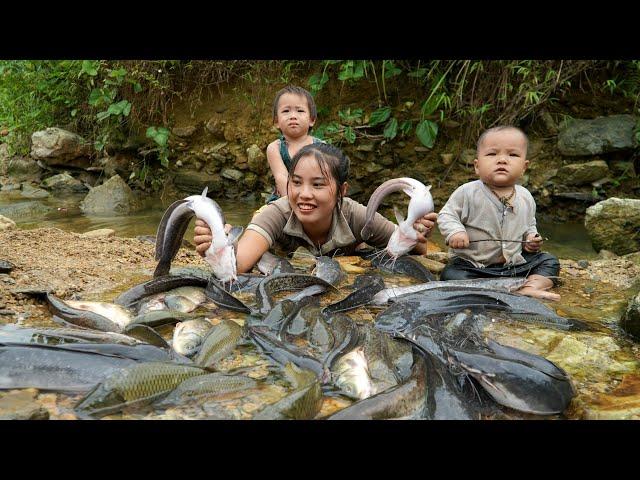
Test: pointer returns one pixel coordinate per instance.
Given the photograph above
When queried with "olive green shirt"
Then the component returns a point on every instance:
(474, 208)
(282, 229)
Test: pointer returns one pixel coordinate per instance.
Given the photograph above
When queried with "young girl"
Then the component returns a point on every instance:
(315, 214)
(294, 113)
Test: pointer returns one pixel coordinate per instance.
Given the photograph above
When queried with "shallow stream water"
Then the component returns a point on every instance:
(603, 364)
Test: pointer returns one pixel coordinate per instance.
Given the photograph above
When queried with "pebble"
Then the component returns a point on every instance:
(583, 263)
(7, 312)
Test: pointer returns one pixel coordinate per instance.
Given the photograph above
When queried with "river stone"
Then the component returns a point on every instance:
(21, 169)
(55, 146)
(621, 403)
(193, 182)
(184, 132)
(577, 357)
(22, 405)
(256, 158)
(99, 233)
(232, 174)
(29, 191)
(630, 321)
(6, 223)
(215, 126)
(614, 225)
(582, 173)
(601, 135)
(112, 197)
(64, 183)
(25, 209)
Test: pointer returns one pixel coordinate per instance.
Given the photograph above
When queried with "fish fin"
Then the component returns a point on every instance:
(234, 234)
(398, 214)
(204, 192)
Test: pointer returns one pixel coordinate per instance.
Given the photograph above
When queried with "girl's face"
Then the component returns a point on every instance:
(293, 117)
(312, 196)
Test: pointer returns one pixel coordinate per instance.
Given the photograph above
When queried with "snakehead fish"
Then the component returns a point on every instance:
(220, 255)
(157, 285)
(281, 282)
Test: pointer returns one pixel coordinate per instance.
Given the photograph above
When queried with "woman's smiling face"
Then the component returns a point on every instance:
(312, 195)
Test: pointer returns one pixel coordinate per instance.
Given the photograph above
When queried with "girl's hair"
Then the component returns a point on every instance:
(296, 91)
(499, 129)
(332, 161)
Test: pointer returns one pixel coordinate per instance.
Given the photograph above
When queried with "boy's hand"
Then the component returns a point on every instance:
(202, 236)
(534, 243)
(424, 226)
(459, 240)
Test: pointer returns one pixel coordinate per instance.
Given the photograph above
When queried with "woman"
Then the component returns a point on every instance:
(314, 214)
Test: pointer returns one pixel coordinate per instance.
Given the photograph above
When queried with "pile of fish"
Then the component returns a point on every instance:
(426, 356)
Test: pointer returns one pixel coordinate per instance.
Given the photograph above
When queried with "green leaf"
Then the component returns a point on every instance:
(418, 73)
(89, 67)
(379, 116)
(317, 81)
(121, 72)
(349, 135)
(427, 131)
(391, 129)
(160, 135)
(137, 88)
(390, 70)
(405, 127)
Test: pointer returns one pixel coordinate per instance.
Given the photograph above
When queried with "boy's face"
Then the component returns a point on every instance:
(293, 116)
(502, 158)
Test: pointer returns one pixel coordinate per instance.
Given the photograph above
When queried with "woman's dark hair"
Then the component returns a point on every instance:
(313, 113)
(332, 161)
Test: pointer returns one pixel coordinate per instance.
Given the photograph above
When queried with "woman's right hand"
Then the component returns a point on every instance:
(459, 240)
(202, 236)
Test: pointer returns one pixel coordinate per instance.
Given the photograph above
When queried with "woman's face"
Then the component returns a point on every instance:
(312, 196)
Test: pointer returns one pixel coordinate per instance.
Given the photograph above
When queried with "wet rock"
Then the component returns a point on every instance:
(6, 266)
(64, 183)
(114, 197)
(256, 158)
(55, 146)
(250, 180)
(582, 173)
(6, 312)
(373, 167)
(630, 321)
(577, 357)
(184, 132)
(22, 405)
(433, 265)
(621, 403)
(442, 257)
(613, 224)
(623, 168)
(583, 263)
(601, 135)
(215, 126)
(29, 191)
(6, 223)
(468, 156)
(99, 233)
(193, 182)
(22, 169)
(232, 174)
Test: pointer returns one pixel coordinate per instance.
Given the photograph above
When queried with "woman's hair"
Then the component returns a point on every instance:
(332, 161)
(296, 91)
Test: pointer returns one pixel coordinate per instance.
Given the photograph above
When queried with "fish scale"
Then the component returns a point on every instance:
(139, 384)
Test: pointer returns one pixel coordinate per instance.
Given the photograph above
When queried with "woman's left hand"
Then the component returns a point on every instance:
(424, 226)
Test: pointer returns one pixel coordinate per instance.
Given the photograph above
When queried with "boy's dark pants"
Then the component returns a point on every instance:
(540, 263)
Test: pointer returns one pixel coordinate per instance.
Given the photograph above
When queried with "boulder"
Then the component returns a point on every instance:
(582, 173)
(215, 126)
(55, 146)
(193, 182)
(21, 169)
(6, 223)
(114, 197)
(64, 183)
(630, 321)
(601, 135)
(28, 209)
(29, 191)
(118, 164)
(614, 225)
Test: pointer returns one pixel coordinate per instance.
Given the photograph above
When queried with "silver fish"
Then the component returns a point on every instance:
(351, 374)
(188, 336)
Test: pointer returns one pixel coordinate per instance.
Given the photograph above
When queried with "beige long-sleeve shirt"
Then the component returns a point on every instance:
(282, 229)
(474, 208)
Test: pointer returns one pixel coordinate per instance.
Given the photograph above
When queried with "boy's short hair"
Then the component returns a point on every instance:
(499, 129)
(296, 91)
